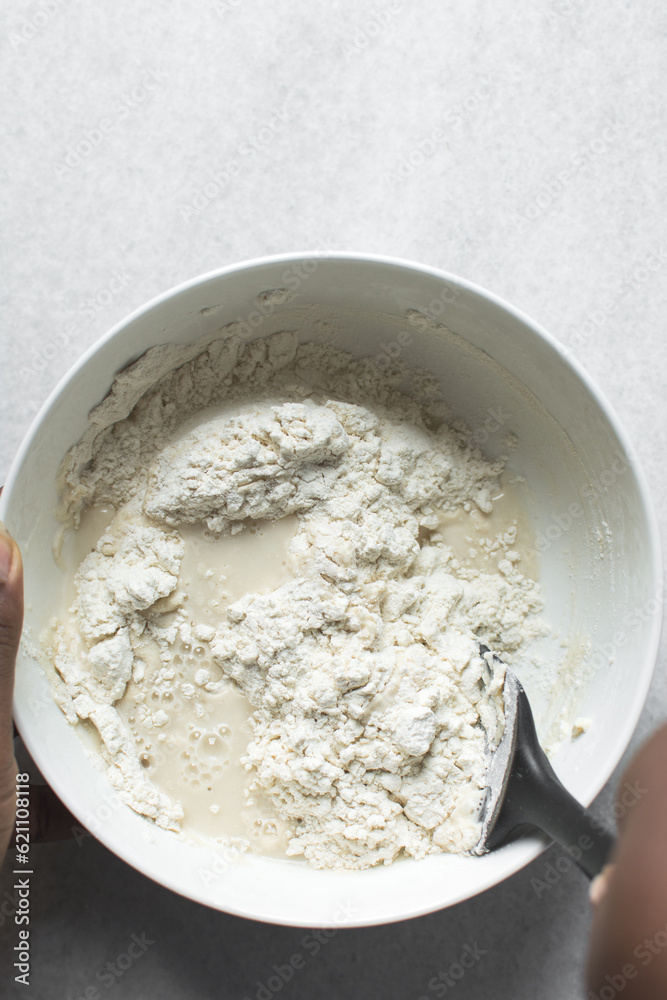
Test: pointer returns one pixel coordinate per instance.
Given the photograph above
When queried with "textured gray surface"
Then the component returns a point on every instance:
(522, 148)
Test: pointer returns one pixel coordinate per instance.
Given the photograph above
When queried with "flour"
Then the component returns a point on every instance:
(373, 710)
(266, 464)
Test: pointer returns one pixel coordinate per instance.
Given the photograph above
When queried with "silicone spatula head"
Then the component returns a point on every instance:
(522, 790)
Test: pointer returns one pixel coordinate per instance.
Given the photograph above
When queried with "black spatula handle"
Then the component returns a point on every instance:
(535, 796)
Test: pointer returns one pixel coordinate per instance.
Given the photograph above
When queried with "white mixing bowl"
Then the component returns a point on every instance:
(596, 533)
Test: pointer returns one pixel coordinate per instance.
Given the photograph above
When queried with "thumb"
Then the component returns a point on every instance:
(49, 819)
(11, 622)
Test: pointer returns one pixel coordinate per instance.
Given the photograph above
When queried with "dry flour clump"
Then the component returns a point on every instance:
(372, 708)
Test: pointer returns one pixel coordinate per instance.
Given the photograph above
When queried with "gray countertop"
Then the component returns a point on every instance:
(520, 146)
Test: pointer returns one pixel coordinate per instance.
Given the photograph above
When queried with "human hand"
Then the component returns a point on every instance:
(628, 945)
(49, 820)
(11, 622)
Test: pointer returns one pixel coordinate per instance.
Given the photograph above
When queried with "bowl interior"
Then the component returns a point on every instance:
(594, 531)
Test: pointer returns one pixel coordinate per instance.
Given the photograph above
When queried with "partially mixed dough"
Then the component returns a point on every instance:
(372, 708)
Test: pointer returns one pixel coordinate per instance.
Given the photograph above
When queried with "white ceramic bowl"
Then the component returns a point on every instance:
(595, 527)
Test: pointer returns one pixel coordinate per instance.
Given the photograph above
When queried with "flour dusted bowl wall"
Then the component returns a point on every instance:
(594, 530)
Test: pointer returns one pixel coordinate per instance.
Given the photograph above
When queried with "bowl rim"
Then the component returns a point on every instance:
(529, 849)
